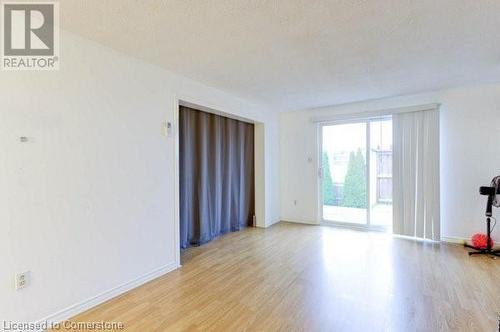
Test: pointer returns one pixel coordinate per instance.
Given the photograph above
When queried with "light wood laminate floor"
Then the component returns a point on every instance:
(293, 277)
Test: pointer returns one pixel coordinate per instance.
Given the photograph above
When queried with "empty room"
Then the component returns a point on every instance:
(229, 165)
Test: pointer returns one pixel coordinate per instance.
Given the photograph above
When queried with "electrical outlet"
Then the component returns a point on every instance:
(22, 280)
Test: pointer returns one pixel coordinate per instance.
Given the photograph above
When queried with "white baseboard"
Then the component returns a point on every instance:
(455, 240)
(445, 239)
(80, 307)
(305, 222)
(268, 225)
(273, 223)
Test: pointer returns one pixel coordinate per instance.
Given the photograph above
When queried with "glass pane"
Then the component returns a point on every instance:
(344, 173)
(381, 173)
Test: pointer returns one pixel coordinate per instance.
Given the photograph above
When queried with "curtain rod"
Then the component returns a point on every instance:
(214, 111)
(374, 114)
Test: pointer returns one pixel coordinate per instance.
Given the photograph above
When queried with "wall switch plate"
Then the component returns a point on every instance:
(167, 129)
(22, 280)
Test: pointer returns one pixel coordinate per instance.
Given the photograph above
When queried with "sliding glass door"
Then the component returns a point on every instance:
(380, 195)
(344, 178)
(356, 173)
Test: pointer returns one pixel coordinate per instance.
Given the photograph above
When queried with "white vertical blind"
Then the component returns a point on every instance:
(416, 174)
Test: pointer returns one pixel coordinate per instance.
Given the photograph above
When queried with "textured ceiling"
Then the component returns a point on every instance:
(296, 54)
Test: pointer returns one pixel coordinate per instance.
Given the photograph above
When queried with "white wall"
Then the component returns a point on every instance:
(87, 204)
(470, 155)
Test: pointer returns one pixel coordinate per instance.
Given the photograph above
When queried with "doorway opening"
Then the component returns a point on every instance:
(216, 176)
(356, 173)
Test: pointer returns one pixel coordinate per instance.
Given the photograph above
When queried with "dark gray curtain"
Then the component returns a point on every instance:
(216, 176)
